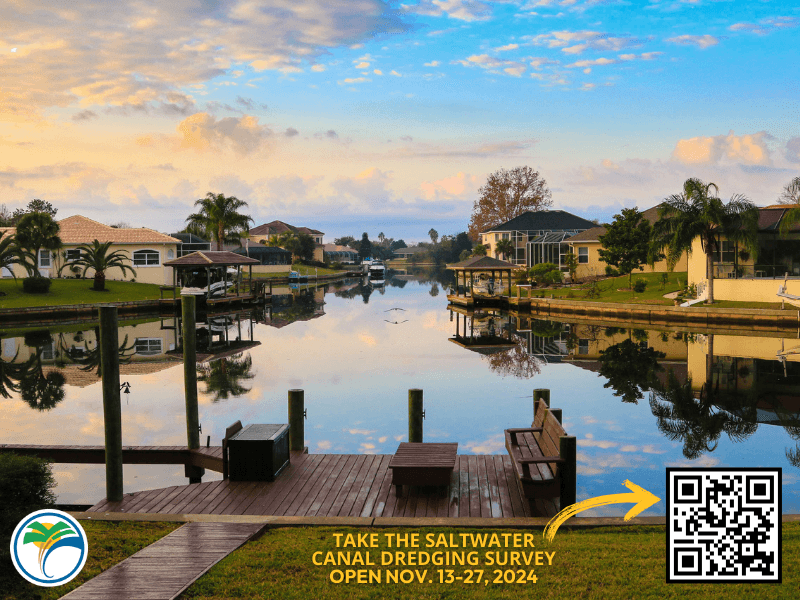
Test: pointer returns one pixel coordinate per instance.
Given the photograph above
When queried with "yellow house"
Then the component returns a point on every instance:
(146, 249)
(263, 233)
(586, 246)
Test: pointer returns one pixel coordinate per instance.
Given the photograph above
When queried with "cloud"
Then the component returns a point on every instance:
(136, 54)
(250, 104)
(792, 151)
(495, 65)
(575, 42)
(203, 131)
(459, 185)
(592, 63)
(462, 10)
(748, 149)
(701, 41)
(433, 63)
(291, 132)
(507, 47)
(355, 80)
(488, 149)
(84, 115)
(318, 68)
(766, 26)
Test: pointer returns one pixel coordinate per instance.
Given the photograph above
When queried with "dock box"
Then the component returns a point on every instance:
(258, 452)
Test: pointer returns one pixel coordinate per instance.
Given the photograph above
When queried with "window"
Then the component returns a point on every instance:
(44, 258)
(48, 352)
(583, 255)
(148, 346)
(727, 252)
(170, 253)
(505, 236)
(73, 254)
(146, 258)
(583, 346)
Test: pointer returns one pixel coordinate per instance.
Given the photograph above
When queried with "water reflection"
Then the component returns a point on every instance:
(225, 378)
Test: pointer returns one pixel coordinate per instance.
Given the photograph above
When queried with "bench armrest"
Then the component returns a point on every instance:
(513, 432)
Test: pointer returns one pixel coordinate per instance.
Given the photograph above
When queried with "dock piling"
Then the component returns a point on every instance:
(415, 415)
(112, 409)
(296, 420)
(189, 335)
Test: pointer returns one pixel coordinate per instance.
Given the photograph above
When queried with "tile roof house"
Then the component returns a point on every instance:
(275, 228)
(147, 250)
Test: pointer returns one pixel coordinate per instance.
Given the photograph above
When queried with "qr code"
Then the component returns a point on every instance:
(724, 525)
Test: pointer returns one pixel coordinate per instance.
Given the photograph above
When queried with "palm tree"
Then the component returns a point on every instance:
(224, 377)
(697, 213)
(36, 231)
(8, 254)
(219, 215)
(504, 247)
(97, 257)
(434, 235)
(790, 197)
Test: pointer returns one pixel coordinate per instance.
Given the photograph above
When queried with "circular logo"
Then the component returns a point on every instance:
(49, 548)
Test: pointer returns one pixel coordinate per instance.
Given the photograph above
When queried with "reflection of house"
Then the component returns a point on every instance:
(586, 245)
(738, 275)
(537, 237)
(147, 250)
(277, 228)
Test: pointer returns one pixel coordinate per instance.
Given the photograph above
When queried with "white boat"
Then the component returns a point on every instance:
(217, 287)
(374, 267)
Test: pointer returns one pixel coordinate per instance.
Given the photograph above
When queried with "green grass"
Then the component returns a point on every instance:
(75, 291)
(109, 543)
(302, 269)
(607, 563)
(609, 290)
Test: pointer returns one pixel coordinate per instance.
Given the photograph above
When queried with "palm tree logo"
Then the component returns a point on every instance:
(36, 539)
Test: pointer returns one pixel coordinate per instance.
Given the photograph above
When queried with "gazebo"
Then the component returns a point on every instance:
(202, 270)
(490, 271)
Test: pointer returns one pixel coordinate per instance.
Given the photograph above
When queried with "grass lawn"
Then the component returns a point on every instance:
(302, 269)
(75, 291)
(109, 543)
(616, 563)
(608, 288)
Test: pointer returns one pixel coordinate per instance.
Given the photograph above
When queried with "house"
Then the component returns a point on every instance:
(586, 246)
(276, 259)
(537, 237)
(263, 233)
(340, 254)
(406, 253)
(741, 276)
(147, 251)
(190, 243)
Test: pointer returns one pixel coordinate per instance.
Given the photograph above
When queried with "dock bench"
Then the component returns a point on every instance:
(544, 458)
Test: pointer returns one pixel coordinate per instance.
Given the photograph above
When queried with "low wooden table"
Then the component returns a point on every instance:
(422, 464)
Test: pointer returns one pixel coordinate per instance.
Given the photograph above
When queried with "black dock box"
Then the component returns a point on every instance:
(258, 452)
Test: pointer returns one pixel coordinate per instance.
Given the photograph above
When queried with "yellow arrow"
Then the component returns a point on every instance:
(640, 496)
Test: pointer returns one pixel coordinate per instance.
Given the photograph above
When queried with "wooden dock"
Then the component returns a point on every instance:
(207, 457)
(347, 485)
(165, 569)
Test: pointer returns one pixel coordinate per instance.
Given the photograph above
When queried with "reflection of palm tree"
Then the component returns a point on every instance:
(10, 374)
(697, 421)
(224, 377)
(40, 391)
(90, 360)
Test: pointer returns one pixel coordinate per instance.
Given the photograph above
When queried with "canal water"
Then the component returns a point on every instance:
(638, 400)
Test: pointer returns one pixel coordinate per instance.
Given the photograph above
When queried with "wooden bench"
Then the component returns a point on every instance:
(422, 464)
(544, 458)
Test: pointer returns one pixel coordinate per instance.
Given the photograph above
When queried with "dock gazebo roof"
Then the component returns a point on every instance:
(211, 258)
(481, 263)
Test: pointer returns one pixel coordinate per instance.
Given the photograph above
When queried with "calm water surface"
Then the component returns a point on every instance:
(638, 401)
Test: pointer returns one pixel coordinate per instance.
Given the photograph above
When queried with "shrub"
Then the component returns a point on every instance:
(36, 285)
(545, 273)
(639, 286)
(26, 485)
(611, 271)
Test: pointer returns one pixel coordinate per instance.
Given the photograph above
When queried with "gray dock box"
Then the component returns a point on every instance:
(258, 452)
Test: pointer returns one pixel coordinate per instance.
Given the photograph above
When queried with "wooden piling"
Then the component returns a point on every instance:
(112, 409)
(556, 412)
(541, 394)
(189, 335)
(415, 415)
(567, 445)
(296, 420)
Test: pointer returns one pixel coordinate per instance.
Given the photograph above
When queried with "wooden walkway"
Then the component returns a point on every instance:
(164, 569)
(347, 485)
(207, 457)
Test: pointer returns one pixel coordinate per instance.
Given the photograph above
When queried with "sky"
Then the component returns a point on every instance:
(365, 115)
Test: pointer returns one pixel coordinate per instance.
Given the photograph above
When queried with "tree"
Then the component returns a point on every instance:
(434, 235)
(8, 253)
(300, 245)
(460, 244)
(397, 244)
(219, 216)
(508, 194)
(365, 248)
(695, 213)
(381, 238)
(626, 243)
(347, 240)
(36, 231)
(479, 250)
(34, 206)
(790, 197)
(504, 247)
(5, 216)
(97, 257)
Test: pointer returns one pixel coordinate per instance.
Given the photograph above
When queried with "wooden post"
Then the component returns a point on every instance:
(189, 334)
(296, 423)
(415, 415)
(567, 445)
(541, 394)
(556, 413)
(112, 409)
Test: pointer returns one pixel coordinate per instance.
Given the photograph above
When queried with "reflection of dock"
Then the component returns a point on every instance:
(330, 485)
(209, 457)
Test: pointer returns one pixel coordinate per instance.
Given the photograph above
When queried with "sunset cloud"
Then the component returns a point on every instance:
(748, 149)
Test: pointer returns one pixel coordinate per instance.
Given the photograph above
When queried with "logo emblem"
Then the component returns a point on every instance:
(49, 548)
